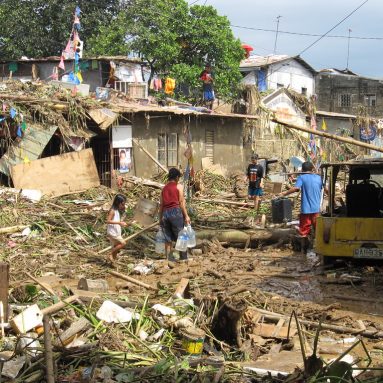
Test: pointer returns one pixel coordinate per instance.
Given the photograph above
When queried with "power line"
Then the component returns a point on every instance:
(306, 34)
(336, 25)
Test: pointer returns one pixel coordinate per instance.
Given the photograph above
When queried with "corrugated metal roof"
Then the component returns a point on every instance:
(29, 148)
(256, 61)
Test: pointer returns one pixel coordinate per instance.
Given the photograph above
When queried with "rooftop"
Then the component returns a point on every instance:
(257, 61)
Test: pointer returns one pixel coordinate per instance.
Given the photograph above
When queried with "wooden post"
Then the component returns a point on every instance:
(328, 135)
(49, 369)
(4, 285)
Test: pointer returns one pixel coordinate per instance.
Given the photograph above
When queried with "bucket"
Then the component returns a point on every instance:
(145, 211)
(192, 340)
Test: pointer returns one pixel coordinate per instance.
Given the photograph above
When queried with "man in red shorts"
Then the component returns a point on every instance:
(310, 185)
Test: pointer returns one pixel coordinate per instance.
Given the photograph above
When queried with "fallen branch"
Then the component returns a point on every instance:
(132, 280)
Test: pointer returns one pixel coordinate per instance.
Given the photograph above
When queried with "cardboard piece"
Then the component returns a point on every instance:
(27, 320)
(58, 175)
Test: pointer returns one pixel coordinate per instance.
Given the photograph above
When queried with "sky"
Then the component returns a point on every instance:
(314, 17)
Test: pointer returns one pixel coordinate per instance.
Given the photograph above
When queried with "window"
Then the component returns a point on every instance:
(209, 145)
(280, 85)
(345, 100)
(304, 91)
(370, 100)
(167, 149)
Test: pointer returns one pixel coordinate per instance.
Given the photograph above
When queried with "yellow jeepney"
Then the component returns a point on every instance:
(351, 227)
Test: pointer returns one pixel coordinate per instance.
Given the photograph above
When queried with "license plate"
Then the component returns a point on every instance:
(368, 253)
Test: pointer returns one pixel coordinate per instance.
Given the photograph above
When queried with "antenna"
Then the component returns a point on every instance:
(276, 35)
(348, 46)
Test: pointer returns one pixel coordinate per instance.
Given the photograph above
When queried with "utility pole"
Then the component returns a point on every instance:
(348, 46)
(276, 35)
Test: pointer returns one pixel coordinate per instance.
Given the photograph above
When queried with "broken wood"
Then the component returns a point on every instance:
(49, 368)
(132, 280)
(60, 305)
(94, 285)
(328, 135)
(131, 236)
(4, 286)
(227, 322)
(143, 181)
(43, 285)
(182, 289)
(136, 142)
(76, 328)
(12, 229)
(338, 329)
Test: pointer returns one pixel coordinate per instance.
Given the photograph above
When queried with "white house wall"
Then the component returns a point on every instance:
(290, 74)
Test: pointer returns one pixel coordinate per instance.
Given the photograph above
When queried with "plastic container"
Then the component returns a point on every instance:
(192, 340)
(281, 210)
(160, 242)
(191, 233)
(182, 240)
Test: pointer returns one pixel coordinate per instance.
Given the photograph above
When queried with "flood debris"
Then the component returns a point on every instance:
(222, 316)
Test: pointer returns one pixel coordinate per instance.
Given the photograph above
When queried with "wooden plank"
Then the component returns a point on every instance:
(4, 285)
(136, 142)
(76, 328)
(132, 280)
(58, 175)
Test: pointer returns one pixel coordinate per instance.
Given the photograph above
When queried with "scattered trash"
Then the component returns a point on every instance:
(112, 313)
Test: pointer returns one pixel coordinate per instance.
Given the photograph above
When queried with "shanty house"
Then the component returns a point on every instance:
(148, 137)
(278, 71)
(125, 74)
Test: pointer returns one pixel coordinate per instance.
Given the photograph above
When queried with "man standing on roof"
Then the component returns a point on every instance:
(310, 185)
(207, 78)
(255, 175)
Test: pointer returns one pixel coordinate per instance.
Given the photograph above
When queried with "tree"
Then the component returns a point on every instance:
(41, 28)
(176, 40)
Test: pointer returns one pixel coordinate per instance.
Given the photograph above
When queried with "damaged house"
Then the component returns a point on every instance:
(41, 122)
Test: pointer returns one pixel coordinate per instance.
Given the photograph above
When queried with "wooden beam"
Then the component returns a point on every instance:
(4, 285)
(136, 142)
(328, 135)
(132, 280)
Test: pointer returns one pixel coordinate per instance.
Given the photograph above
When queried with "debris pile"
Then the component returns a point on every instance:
(235, 312)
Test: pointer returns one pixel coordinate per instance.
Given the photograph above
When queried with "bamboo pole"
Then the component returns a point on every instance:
(132, 280)
(328, 135)
(60, 305)
(131, 236)
(44, 286)
(149, 155)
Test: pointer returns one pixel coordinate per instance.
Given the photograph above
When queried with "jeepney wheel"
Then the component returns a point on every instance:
(326, 260)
